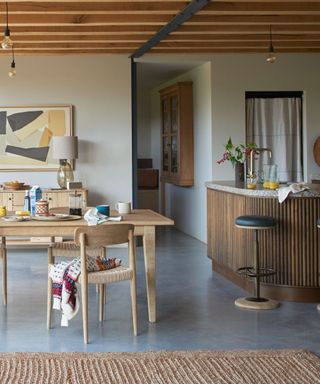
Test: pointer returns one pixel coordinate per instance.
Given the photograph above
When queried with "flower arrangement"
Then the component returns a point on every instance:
(236, 154)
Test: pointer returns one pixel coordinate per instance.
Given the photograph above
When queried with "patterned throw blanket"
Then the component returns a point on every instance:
(64, 276)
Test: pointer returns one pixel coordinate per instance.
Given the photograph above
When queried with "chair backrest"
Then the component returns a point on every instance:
(101, 235)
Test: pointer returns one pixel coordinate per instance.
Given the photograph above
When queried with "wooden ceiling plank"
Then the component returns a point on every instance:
(94, 7)
(243, 37)
(83, 29)
(61, 19)
(231, 44)
(48, 38)
(73, 45)
(263, 28)
(254, 19)
(262, 7)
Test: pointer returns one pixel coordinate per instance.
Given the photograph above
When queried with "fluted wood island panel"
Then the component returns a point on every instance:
(291, 248)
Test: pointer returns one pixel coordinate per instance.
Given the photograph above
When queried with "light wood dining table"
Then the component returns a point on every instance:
(144, 221)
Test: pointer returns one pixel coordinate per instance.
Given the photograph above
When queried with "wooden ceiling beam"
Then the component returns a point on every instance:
(243, 37)
(83, 29)
(229, 44)
(254, 19)
(234, 28)
(94, 7)
(80, 38)
(96, 19)
(262, 7)
(75, 45)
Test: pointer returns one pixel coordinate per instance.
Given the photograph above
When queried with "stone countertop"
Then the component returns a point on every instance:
(230, 187)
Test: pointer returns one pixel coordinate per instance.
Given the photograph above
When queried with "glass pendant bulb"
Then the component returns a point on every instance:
(271, 58)
(7, 43)
(12, 72)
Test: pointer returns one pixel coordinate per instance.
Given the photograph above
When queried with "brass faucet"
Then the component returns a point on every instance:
(256, 151)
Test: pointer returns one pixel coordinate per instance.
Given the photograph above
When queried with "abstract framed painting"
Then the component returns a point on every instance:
(26, 136)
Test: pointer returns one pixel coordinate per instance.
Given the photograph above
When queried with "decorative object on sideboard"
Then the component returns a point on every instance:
(12, 72)
(7, 43)
(65, 148)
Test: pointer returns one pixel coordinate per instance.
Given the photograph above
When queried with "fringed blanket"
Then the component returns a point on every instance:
(64, 276)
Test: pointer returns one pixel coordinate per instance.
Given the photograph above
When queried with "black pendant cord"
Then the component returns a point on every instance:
(271, 44)
(13, 64)
(7, 30)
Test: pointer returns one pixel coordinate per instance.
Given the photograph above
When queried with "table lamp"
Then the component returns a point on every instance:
(64, 148)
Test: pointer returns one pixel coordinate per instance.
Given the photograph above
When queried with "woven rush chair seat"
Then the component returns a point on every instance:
(110, 275)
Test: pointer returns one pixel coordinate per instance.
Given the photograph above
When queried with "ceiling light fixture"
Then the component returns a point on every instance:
(271, 58)
(12, 71)
(7, 42)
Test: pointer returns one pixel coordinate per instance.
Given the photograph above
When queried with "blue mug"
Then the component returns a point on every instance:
(103, 209)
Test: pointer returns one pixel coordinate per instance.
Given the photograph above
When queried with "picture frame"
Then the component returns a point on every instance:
(26, 136)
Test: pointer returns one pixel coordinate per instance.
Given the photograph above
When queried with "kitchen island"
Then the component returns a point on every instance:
(291, 248)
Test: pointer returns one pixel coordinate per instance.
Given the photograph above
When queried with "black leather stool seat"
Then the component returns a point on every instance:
(256, 221)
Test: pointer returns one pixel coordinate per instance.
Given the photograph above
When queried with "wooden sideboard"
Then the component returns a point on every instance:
(14, 201)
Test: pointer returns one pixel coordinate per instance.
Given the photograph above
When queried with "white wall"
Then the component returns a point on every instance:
(99, 88)
(233, 74)
(187, 206)
(144, 133)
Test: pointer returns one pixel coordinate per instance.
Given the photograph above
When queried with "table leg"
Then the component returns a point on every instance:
(150, 269)
(4, 269)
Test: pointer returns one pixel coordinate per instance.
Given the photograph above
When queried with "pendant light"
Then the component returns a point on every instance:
(6, 42)
(271, 58)
(12, 72)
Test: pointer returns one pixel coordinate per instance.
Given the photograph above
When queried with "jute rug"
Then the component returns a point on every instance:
(194, 367)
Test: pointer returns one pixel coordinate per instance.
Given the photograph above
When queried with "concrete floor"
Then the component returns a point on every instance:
(195, 309)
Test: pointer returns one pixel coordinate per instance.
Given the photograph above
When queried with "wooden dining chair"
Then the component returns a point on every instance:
(88, 239)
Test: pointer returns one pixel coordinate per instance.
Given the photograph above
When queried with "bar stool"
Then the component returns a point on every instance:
(256, 223)
(318, 225)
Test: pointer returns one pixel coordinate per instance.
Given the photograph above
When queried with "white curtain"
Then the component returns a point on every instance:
(275, 123)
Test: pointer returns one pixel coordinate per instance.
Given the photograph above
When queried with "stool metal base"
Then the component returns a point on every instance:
(254, 303)
(318, 307)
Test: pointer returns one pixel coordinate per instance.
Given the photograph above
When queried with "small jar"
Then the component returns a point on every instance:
(42, 207)
(3, 211)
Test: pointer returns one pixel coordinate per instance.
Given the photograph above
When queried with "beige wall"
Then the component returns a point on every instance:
(99, 88)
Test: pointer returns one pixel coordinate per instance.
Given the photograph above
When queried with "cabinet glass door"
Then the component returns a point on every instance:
(165, 117)
(165, 153)
(174, 134)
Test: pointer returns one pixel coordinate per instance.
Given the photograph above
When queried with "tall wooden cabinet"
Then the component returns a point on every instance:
(177, 134)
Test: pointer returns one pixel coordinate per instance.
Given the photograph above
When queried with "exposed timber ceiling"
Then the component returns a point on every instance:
(94, 27)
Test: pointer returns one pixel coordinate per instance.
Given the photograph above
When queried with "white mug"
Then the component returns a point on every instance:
(123, 207)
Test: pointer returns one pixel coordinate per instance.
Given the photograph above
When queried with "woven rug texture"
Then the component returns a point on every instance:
(168, 367)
